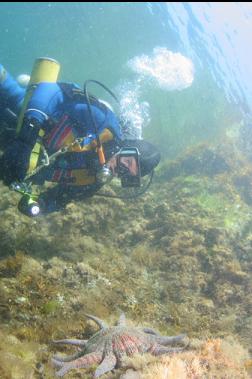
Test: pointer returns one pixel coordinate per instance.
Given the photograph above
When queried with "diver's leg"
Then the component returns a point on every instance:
(51, 200)
(56, 198)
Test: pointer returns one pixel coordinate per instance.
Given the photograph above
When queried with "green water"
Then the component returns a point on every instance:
(96, 40)
(89, 39)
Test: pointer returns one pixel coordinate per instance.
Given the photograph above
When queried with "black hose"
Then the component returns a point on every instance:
(89, 105)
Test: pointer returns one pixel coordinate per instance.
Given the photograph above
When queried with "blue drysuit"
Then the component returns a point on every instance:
(63, 117)
(11, 95)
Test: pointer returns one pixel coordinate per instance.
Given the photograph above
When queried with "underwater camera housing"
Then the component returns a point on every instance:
(129, 167)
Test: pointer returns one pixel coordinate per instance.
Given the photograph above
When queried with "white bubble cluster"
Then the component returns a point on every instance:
(134, 114)
(168, 70)
(163, 68)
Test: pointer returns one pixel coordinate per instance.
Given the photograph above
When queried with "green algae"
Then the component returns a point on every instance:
(177, 259)
(51, 307)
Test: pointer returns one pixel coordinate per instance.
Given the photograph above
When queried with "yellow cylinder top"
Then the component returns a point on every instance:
(45, 70)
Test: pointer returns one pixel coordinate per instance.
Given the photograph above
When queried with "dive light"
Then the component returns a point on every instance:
(28, 206)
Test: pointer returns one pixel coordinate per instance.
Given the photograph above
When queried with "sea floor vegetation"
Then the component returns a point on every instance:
(178, 259)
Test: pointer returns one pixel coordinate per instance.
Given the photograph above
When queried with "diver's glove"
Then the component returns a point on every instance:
(16, 158)
(15, 161)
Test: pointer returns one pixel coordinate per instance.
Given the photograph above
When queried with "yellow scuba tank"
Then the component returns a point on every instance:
(44, 70)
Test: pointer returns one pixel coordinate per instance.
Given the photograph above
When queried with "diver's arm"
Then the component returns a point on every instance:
(16, 157)
(106, 123)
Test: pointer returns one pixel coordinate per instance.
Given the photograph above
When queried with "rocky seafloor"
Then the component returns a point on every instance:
(178, 259)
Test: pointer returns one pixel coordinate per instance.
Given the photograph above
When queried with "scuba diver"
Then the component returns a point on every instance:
(64, 135)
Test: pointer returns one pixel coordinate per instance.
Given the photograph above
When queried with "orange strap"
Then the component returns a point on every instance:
(106, 135)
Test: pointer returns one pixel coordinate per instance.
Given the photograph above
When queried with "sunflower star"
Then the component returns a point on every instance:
(109, 345)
